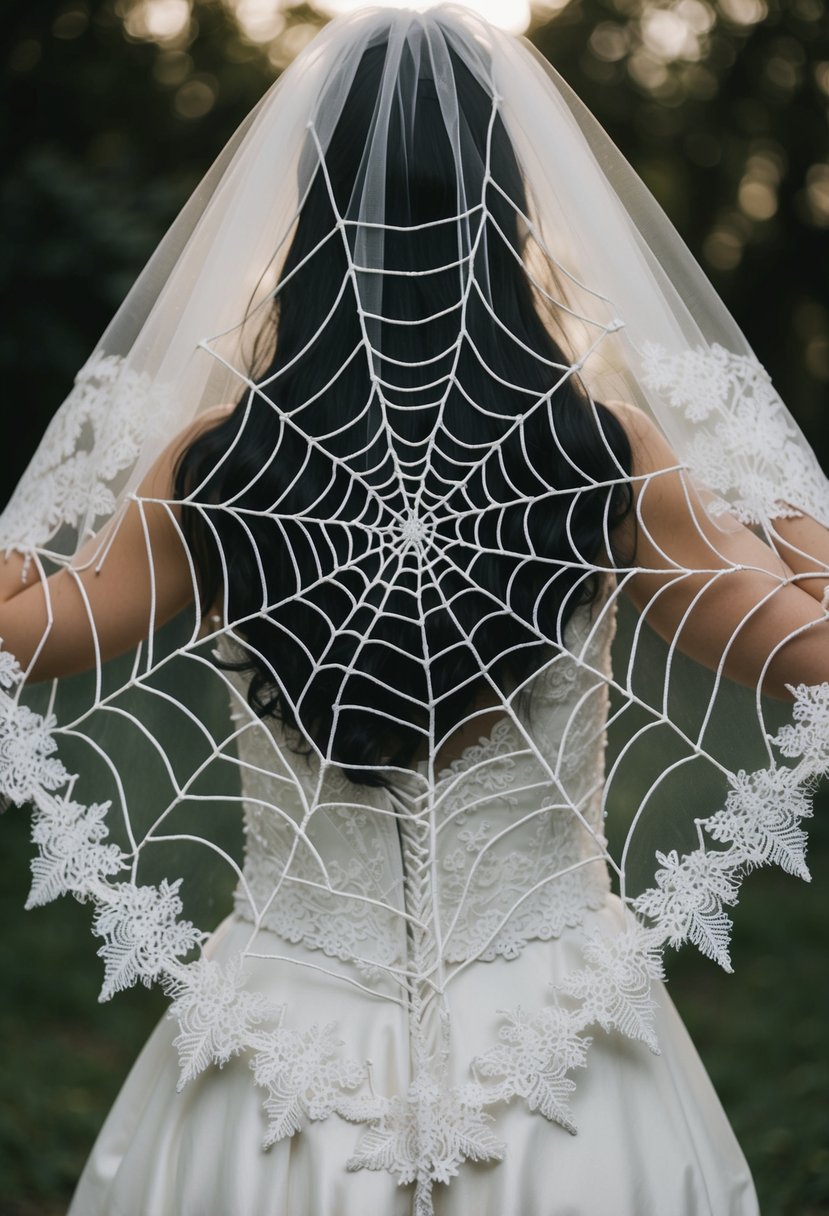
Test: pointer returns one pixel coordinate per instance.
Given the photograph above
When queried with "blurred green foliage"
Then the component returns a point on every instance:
(732, 137)
(109, 118)
(761, 1033)
(721, 105)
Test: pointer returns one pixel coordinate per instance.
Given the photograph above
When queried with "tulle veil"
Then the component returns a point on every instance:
(134, 769)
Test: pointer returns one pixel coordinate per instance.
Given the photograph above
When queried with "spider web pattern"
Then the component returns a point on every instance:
(498, 821)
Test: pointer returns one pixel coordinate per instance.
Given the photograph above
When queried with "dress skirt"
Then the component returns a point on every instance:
(652, 1139)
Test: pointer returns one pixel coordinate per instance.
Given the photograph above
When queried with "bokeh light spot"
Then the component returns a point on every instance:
(196, 97)
(25, 56)
(723, 247)
(744, 12)
(155, 20)
(668, 35)
(817, 195)
(260, 21)
(71, 22)
(609, 41)
(757, 199)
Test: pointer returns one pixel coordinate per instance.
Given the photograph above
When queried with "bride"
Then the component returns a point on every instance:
(420, 388)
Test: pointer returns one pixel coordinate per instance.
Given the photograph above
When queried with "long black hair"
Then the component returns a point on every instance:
(368, 645)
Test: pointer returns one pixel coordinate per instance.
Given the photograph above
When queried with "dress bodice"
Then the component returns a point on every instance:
(502, 846)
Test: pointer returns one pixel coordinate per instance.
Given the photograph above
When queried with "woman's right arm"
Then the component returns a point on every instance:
(127, 581)
(728, 598)
(92, 610)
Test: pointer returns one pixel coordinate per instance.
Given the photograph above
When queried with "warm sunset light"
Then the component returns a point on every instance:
(258, 15)
(512, 15)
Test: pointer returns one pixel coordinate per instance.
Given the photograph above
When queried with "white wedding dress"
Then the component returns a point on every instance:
(428, 998)
(651, 1138)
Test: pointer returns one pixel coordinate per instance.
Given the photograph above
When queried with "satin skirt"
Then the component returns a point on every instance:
(653, 1139)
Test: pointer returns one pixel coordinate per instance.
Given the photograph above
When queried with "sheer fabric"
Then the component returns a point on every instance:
(425, 876)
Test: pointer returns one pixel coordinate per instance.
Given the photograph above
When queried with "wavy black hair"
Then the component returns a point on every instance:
(351, 641)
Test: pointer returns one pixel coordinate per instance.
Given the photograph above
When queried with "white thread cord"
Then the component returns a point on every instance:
(465, 853)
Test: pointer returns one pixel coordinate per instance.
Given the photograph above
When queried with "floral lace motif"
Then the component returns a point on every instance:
(760, 822)
(425, 1134)
(614, 989)
(688, 899)
(96, 434)
(27, 760)
(807, 738)
(533, 1058)
(303, 1076)
(516, 841)
(71, 858)
(216, 1015)
(143, 936)
(10, 673)
(745, 445)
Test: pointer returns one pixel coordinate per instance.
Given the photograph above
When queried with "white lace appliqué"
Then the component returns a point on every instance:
(806, 739)
(216, 1015)
(759, 823)
(303, 1075)
(760, 820)
(27, 760)
(614, 988)
(72, 856)
(425, 1134)
(10, 673)
(533, 1058)
(96, 435)
(745, 445)
(687, 901)
(143, 936)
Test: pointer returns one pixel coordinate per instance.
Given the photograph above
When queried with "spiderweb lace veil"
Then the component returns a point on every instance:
(136, 770)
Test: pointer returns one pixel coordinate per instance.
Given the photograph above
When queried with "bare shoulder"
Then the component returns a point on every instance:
(204, 421)
(637, 423)
(160, 479)
(651, 450)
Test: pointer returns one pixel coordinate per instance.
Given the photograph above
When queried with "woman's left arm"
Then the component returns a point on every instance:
(713, 588)
(803, 544)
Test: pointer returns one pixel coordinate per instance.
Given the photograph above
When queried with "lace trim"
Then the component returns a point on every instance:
(97, 434)
(358, 917)
(549, 845)
(499, 887)
(424, 1135)
(479, 879)
(745, 445)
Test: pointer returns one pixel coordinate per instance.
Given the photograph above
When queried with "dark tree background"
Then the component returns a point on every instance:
(721, 109)
(112, 110)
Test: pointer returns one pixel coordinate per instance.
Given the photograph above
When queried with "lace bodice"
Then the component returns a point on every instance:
(507, 838)
(419, 472)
